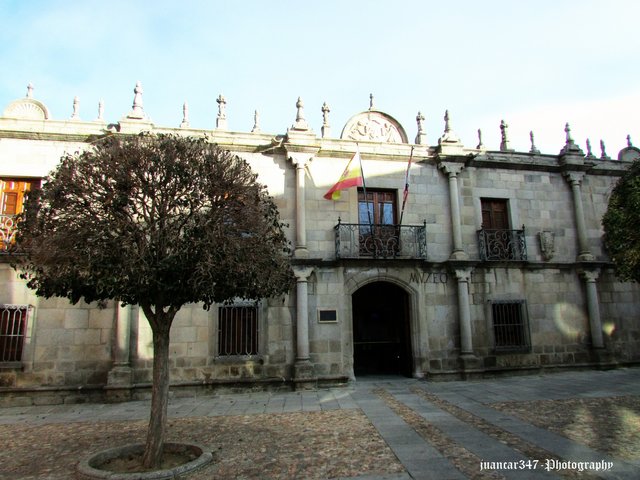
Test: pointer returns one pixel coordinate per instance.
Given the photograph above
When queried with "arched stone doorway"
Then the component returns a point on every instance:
(381, 332)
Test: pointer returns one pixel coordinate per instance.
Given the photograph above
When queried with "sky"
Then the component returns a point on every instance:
(534, 64)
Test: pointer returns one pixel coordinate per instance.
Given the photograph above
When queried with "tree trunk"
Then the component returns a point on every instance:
(160, 325)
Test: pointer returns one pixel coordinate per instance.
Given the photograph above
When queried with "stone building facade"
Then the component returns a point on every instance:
(494, 263)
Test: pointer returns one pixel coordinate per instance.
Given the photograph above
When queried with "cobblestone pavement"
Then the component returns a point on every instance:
(582, 424)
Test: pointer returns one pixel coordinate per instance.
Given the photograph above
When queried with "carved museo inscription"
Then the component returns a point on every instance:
(429, 277)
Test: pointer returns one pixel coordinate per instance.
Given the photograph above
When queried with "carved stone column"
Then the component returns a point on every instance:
(575, 180)
(300, 160)
(301, 147)
(121, 373)
(463, 276)
(303, 376)
(593, 307)
(452, 170)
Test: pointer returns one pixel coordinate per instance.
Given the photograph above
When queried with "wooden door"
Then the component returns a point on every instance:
(13, 194)
(495, 215)
(381, 330)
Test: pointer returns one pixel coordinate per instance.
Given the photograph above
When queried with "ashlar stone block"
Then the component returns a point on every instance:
(76, 318)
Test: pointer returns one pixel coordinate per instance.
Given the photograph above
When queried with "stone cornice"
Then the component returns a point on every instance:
(308, 142)
(50, 136)
(337, 148)
(68, 130)
(546, 163)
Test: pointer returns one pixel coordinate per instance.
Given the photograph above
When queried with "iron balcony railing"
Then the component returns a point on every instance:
(7, 231)
(501, 245)
(358, 240)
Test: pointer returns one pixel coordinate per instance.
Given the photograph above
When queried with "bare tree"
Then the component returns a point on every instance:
(157, 221)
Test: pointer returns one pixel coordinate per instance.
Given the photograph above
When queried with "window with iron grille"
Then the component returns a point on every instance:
(237, 330)
(13, 329)
(510, 326)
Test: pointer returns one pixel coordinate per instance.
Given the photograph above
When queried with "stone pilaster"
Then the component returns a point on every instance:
(301, 147)
(452, 170)
(304, 374)
(575, 180)
(300, 160)
(121, 373)
(601, 354)
(593, 307)
(463, 277)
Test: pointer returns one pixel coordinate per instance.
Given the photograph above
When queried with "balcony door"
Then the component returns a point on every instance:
(499, 242)
(12, 193)
(379, 208)
(377, 219)
(495, 215)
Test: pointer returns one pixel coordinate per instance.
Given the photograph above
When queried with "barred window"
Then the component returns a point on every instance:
(237, 330)
(510, 328)
(13, 328)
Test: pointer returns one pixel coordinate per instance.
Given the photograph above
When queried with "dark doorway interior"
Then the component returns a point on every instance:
(381, 335)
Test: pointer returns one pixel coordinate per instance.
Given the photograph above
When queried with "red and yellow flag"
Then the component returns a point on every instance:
(351, 177)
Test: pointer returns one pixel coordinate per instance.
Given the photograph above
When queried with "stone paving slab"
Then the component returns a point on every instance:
(477, 442)
(587, 383)
(401, 476)
(619, 382)
(421, 459)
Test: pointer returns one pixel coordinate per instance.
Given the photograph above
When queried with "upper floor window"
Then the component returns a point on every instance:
(12, 196)
(379, 208)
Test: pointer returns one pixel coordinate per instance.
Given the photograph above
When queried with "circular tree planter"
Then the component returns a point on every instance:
(95, 466)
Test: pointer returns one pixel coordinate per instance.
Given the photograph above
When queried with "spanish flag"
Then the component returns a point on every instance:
(351, 177)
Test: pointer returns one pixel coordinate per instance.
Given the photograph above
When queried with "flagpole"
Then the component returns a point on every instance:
(406, 187)
(364, 189)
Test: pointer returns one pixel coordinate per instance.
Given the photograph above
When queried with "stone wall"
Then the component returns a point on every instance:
(65, 345)
(73, 348)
